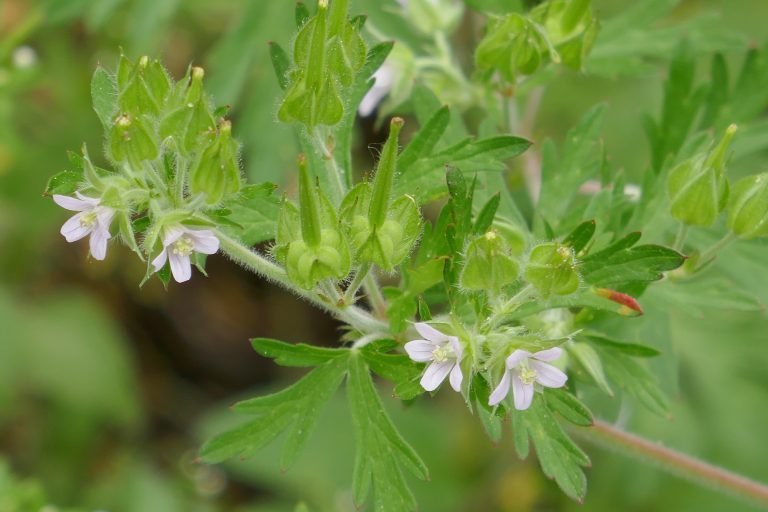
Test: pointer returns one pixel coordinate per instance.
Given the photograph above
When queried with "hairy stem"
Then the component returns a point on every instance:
(375, 298)
(259, 264)
(710, 253)
(676, 463)
(357, 282)
(682, 233)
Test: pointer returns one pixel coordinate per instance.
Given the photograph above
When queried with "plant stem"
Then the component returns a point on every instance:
(682, 233)
(676, 463)
(339, 175)
(257, 263)
(710, 253)
(375, 298)
(357, 282)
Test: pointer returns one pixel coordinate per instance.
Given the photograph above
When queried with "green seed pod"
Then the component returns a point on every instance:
(551, 269)
(748, 207)
(698, 187)
(571, 27)
(513, 45)
(330, 258)
(216, 171)
(130, 140)
(488, 265)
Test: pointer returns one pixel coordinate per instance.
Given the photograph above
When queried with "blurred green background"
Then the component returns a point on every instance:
(106, 390)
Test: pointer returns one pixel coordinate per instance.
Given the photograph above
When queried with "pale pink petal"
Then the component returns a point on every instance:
(430, 333)
(73, 230)
(93, 201)
(420, 350)
(181, 267)
(159, 261)
(204, 241)
(98, 243)
(70, 203)
(104, 216)
(548, 355)
(456, 377)
(522, 392)
(170, 235)
(547, 375)
(456, 346)
(500, 393)
(517, 357)
(435, 375)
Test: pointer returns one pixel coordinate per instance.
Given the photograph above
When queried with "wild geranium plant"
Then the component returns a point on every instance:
(517, 302)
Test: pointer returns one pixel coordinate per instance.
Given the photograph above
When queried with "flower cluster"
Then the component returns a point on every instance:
(522, 369)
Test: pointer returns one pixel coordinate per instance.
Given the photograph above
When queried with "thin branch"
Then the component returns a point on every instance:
(676, 463)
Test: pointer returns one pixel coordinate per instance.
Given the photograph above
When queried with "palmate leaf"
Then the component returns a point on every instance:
(560, 458)
(294, 409)
(382, 453)
(624, 264)
(252, 216)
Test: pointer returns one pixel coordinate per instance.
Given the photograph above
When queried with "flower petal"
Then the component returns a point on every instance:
(181, 267)
(170, 235)
(458, 349)
(104, 217)
(548, 355)
(420, 350)
(73, 230)
(70, 203)
(435, 375)
(517, 357)
(98, 243)
(159, 261)
(501, 390)
(430, 333)
(547, 375)
(93, 201)
(522, 392)
(456, 377)
(204, 241)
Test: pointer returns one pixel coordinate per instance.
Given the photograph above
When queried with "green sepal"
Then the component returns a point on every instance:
(216, 171)
(488, 265)
(130, 140)
(748, 207)
(551, 269)
(514, 46)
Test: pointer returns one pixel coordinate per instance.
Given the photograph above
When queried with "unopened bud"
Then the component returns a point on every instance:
(488, 265)
(551, 269)
(748, 207)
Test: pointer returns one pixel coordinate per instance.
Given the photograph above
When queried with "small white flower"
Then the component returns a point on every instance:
(92, 219)
(384, 79)
(179, 243)
(524, 369)
(443, 351)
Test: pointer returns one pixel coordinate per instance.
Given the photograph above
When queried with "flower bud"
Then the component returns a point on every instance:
(570, 26)
(130, 140)
(551, 269)
(488, 265)
(748, 207)
(698, 187)
(514, 45)
(431, 16)
(216, 171)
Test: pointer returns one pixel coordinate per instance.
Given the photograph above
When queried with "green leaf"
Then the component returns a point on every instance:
(568, 406)
(104, 95)
(281, 62)
(255, 210)
(586, 356)
(581, 158)
(381, 452)
(617, 268)
(422, 144)
(64, 183)
(300, 354)
(489, 154)
(579, 238)
(558, 455)
(581, 299)
(397, 368)
(301, 14)
(630, 349)
(635, 379)
(487, 213)
(294, 409)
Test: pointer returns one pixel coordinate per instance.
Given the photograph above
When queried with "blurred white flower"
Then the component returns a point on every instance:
(384, 80)
(24, 57)
(179, 243)
(443, 351)
(92, 219)
(523, 370)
